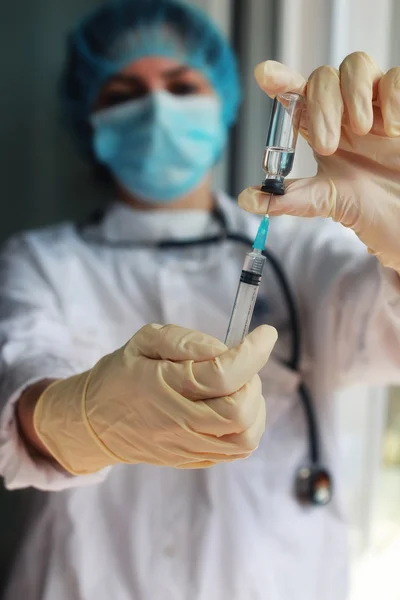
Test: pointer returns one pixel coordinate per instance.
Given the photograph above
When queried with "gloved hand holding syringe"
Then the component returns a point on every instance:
(277, 164)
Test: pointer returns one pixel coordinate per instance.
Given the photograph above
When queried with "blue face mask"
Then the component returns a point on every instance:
(160, 147)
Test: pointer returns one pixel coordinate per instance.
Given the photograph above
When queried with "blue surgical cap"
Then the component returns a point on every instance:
(123, 31)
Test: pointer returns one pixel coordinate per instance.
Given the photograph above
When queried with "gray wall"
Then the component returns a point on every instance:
(255, 24)
(42, 179)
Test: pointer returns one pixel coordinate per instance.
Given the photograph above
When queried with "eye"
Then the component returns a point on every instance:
(113, 98)
(181, 88)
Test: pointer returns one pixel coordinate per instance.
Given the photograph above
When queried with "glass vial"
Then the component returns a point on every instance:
(281, 141)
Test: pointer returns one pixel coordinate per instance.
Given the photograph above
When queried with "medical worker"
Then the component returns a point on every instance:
(117, 392)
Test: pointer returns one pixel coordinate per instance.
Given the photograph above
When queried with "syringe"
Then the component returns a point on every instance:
(277, 164)
(247, 291)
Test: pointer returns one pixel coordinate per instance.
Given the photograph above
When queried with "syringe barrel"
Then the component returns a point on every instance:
(254, 262)
(245, 300)
(281, 140)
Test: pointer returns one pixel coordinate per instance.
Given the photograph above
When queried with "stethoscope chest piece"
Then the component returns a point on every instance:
(313, 486)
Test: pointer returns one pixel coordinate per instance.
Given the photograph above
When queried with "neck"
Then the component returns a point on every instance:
(200, 198)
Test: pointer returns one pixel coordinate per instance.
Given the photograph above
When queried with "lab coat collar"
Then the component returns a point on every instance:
(121, 223)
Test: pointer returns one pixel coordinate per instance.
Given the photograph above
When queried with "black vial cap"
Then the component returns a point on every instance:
(273, 186)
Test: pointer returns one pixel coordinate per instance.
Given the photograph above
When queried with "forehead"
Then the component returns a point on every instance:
(155, 66)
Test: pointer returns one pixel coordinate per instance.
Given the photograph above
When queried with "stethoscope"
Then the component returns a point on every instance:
(313, 483)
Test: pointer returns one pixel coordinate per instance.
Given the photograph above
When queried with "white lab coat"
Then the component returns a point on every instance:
(233, 532)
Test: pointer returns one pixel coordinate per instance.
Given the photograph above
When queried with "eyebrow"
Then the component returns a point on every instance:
(168, 74)
(174, 72)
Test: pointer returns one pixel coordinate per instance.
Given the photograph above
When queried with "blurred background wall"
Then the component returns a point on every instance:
(43, 181)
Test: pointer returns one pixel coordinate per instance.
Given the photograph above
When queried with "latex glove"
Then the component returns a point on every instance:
(352, 122)
(170, 396)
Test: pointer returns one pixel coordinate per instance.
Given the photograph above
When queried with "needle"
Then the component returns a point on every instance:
(269, 202)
